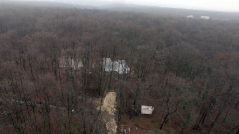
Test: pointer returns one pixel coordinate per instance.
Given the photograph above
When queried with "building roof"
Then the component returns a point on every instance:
(147, 109)
(119, 66)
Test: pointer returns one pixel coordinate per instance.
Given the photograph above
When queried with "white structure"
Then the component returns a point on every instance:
(205, 17)
(119, 66)
(190, 16)
(148, 110)
(71, 63)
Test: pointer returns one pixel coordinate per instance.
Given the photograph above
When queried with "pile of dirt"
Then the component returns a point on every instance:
(109, 107)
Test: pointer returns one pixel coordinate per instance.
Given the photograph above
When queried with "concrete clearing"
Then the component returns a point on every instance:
(109, 107)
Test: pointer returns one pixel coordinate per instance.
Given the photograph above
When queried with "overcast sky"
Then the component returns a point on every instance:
(216, 5)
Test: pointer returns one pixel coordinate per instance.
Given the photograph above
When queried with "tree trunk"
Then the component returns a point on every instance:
(165, 119)
(214, 122)
(237, 130)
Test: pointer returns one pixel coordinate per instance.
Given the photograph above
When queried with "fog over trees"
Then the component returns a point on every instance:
(187, 69)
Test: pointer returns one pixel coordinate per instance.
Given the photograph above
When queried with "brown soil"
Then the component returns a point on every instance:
(142, 125)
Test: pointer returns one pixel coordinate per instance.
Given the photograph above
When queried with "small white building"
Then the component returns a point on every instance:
(147, 110)
(119, 66)
(205, 17)
(190, 17)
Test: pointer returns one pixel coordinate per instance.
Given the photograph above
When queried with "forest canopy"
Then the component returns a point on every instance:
(186, 68)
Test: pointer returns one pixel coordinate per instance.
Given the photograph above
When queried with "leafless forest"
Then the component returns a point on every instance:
(188, 69)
